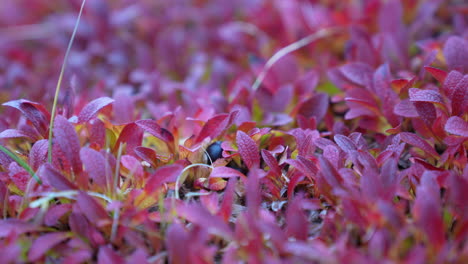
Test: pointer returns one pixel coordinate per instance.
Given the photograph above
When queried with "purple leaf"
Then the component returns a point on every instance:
(92, 108)
(405, 108)
(416, 141)
(419, 95)
(96, 165)
(456, 53)
(345, 143)
(457, 126)
(156, 130)
(55, 179)
(358, 73)
(108, 255)
(14, 133)
(34, 112)
(427, 210)
(67, 140)
(271, 161)
(329, 172)
(55, 212)
(44, 243)
(460, 97)
(38, 154)
(316, 106)
(216, 125)
(248, 150)
(16, 226)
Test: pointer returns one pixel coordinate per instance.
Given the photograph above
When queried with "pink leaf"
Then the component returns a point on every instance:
(66, 139)
(456, 53)
(430, 96)
(55, 212)
(11, 225)
(95, 165)
(162, 175)
(55, 179)
(108, 255)
(175, 237)
(92, 108)
(38, 154)
(304, 165)
(271, 161)
(451, 82)
(457, 126)
(14, 133)
(44, 243)
(225, 172)
(91, 208)
(248, 150)
(358, 73)
(199, 215)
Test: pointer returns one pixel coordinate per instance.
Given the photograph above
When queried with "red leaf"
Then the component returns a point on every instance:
(427, 210)
(329, 172)
(34, 112)
(438, 74)
(55, 179)
(154, 129)
(457, 126)
(456, 53)
(66, 139)
(304, 165)
(146, 154)
(44, 243)
(416, 141)
(225, 172)
(216, 125)
(162, 175)
(225, 209)
(248, 150)
(132, 135)
(92, 108)
(460, 97)
(95, 165)
(38, 153)
(90, 208)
